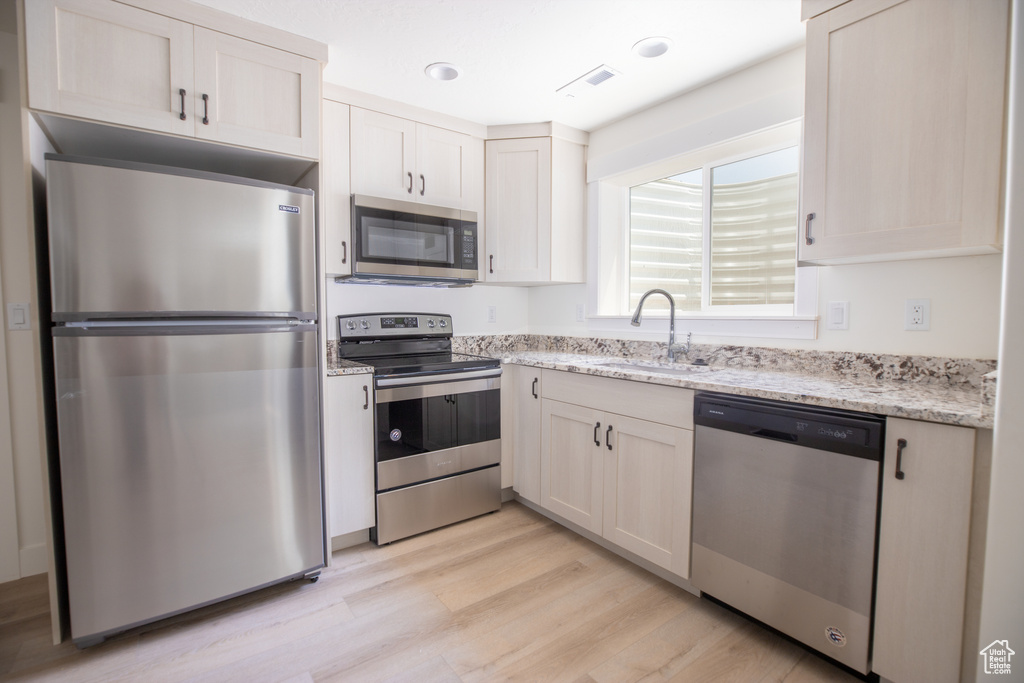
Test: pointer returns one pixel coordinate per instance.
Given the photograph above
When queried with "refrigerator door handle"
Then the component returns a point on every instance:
(191, 327)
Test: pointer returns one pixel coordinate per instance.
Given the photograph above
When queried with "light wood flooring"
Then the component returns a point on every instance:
(507, 596)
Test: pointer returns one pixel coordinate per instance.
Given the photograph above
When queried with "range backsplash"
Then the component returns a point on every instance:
(840, 364)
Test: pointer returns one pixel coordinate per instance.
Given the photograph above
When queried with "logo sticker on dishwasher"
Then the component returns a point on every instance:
(396, 434)
(835, 636)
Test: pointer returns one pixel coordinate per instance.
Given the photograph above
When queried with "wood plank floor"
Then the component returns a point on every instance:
(507, 596)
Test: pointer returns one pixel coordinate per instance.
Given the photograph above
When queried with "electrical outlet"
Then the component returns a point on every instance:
(492, 314)
(580, 313)
(917, 314)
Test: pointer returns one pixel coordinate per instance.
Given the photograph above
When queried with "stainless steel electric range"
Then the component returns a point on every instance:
(437, 421)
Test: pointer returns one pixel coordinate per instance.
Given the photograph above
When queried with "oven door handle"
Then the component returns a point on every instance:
(419, 391)
(434, 379)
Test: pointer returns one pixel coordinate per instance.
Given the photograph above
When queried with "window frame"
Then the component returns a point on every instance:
(609, 291)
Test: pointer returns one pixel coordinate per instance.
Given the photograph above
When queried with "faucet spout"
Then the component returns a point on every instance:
(672, 346)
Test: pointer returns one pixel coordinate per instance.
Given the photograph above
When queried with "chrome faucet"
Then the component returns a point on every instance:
(672, 346)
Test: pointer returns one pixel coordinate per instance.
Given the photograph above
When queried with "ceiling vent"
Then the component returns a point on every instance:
(588, 81)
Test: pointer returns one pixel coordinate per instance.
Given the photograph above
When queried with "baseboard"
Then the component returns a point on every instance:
(34, 559)
(350, 539)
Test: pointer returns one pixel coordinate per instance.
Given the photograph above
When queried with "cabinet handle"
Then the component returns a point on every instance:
(900, 445)
(492, 263)
(597, 428)
(206, 109)
(423, 184)
(608, 438)
(366, 397)
(344, 251)
(533, 390)
(807, 229)
(181, 94)
(410, 182)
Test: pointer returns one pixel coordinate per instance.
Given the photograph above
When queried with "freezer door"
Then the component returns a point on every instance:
(190, 468)
(131, 241)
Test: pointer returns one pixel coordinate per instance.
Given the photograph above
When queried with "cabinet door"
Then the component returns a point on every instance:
(648, 484)
(518, 240)
(383, 155)
(110, 62)
(257, 96)
(527, 439)
(903, 129)
(442, 157)
(572, 463)
(336, 215)
(348, 453)
(922, 552)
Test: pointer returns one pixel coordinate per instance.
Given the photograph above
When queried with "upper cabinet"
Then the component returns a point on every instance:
(335, 207)
(536, 210)
(110, 62)
(903, 130)
(402, 159)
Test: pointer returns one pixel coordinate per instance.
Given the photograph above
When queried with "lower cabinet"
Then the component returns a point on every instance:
(606, 468)
(520, 430)
(923, 551)
(348, 453)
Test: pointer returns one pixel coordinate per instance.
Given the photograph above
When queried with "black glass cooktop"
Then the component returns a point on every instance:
(417, 364)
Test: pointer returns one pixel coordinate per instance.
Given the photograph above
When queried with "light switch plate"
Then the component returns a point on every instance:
(18, 317)
(838, 316)
(492, 314)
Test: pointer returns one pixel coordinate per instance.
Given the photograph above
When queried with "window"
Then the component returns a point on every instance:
(719, 238)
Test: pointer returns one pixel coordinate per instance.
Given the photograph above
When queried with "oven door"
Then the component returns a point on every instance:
(430, 431)
(394, 238)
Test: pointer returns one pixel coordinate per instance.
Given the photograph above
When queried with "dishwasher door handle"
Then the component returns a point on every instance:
(772, 434)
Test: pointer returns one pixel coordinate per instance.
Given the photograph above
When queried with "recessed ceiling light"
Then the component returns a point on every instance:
(654, 46)
(443, 71)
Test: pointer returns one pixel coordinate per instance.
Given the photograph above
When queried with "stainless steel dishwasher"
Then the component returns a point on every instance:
(785, 510)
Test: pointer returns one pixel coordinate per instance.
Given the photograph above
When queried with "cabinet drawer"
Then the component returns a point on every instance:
(653, 402)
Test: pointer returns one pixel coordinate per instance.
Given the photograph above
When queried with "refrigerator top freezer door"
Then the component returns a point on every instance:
(138, 241)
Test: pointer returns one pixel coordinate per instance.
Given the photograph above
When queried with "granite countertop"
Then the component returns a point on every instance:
(958, 404)
(340, 366)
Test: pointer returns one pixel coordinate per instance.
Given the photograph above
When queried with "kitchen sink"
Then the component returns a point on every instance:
(681, 370)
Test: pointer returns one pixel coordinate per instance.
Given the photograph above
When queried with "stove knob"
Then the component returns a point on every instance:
(364, 325)
(430, 323)
(350, 325)
(443, 322)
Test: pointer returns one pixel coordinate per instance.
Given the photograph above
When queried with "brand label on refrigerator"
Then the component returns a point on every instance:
(287, 208)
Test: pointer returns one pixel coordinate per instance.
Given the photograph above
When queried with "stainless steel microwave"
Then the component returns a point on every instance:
(396, 242)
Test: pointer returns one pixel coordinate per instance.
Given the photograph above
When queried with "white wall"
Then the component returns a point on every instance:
(23, 370)
(468, 306)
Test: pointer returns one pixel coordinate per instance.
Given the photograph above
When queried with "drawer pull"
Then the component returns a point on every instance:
(597, 428)
(900, 445)
(608, 438)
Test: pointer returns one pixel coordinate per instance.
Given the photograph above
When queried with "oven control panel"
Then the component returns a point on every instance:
(384, 325)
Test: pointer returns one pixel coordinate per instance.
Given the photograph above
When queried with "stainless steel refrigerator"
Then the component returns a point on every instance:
(186, 380)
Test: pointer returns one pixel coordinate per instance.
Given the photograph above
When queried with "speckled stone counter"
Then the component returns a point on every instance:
(339, 366)
(949, 391)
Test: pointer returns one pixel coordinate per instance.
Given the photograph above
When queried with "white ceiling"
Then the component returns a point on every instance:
(514, 54)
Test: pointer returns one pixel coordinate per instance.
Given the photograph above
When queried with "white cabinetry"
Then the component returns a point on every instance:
(402, 159)
(903, 130)
(336, 214)
(348, 453)
(536, 208)
(617, 459)
(922, 551)
(110, 62)
(520, 430)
